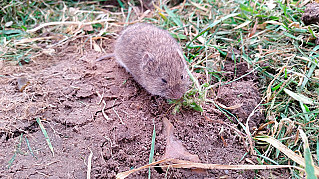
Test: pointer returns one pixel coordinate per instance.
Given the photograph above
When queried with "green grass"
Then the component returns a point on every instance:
(45, 135)
(282, 50)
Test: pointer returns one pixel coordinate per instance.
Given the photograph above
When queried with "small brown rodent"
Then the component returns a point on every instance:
(154, 59)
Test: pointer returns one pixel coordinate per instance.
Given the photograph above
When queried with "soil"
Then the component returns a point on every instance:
(64, 90)
(310, 16)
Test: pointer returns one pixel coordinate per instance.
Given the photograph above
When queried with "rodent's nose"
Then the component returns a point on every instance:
(176, 92)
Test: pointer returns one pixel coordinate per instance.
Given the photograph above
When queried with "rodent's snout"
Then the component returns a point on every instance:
(176, 93)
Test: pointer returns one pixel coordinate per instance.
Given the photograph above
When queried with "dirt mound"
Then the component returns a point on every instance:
(65, 90)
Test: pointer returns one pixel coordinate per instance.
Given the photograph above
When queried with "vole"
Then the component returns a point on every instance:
(154, 58)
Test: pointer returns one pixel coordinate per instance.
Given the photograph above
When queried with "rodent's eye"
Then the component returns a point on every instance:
(163, 80)
(182, 77)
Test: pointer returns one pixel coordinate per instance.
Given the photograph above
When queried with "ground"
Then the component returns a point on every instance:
(65, 90)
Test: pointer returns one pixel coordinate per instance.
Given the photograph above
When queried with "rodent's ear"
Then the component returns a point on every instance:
(148, 64)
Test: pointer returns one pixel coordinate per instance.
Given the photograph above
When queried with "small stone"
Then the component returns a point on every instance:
(22, 83)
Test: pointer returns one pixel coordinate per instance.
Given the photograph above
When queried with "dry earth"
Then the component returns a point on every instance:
(63, 91)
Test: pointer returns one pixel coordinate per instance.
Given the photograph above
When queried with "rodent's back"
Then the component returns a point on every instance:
(153, 57)
(139, 38)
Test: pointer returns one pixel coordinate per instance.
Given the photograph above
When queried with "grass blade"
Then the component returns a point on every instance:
(188, 164)
(89, 166)
(174, 17)
(299, 97)
(12, 159)
(211, 26)
(15, 153)
(29, 147)
(152, 150)
(288, 152)
(45, 135)
(310, 170)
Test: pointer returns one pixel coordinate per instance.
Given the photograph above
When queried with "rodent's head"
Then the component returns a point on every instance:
(165, 74)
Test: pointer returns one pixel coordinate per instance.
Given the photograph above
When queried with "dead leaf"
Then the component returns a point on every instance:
(294, 24)
(188, 164)
(253, 30)
(96, 47)
(175, 149)
(123, 175)
(230, 107)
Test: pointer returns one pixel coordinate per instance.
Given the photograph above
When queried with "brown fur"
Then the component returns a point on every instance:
(153, 57)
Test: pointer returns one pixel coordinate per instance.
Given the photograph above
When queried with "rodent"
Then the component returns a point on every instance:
(154, 58)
